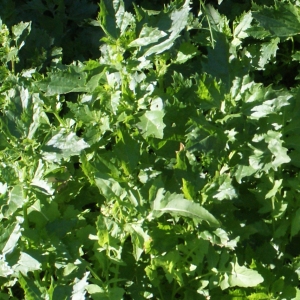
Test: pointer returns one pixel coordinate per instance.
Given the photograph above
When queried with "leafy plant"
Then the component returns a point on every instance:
(165, 168)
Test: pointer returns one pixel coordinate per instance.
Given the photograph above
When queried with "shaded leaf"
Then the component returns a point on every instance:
(63, 82)
(31, 290)
(282, 21)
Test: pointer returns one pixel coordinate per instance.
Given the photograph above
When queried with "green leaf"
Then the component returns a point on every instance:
(176, 205)
(148, 35)
(295, 225)
(127, 151)
(177, 19)
(225, 190)
(214, 18)
(32, 292)
(152, 124)
(16, 201)
(138, 239)
(9, 238)
(268, 50)
(79, 286)
(244, 24)
(281, 21)
(63, 144)
(186, 51)
(114, 19)
(241, 276)
(115, 98)
(109, 187)
(276, 148)
(5, 269)
(272, 106)
(274, 190)
(20, 32)
(26, 263)
(244, 277)
(66, 81)
(217, 63)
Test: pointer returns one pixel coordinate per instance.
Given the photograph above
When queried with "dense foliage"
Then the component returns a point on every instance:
(149, 151)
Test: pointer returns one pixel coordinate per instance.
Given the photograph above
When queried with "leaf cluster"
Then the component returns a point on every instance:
(160, 162)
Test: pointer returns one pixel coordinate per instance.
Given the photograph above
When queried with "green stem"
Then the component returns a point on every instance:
(116, 276)
(93, 272)
(196, 278)
(13, 66)
(25, 214)
(160, 292)
(25, 223)
(60, 120)
(161, 83)
(174, 291)
(210, 30)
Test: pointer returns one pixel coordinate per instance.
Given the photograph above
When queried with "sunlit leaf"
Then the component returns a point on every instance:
(151, 124)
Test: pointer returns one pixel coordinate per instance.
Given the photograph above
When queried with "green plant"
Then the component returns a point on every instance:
(165, 169)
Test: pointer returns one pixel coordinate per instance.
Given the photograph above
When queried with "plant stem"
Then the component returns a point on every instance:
(13, 66)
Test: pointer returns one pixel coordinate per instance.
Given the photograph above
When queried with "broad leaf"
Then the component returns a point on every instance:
(282, 21)
(65, 81)
(26, 263)
(63, 145)
(147, 36)
(152, 124)
(109, 187)
(16, 200)
(178, 206)
(243, 277)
